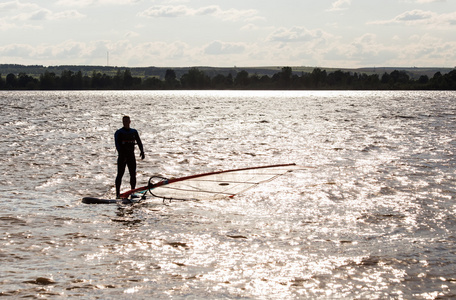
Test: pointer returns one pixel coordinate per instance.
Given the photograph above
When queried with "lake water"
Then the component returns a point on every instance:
(372, 213)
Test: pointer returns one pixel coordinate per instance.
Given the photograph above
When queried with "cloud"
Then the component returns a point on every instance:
(414, 15)
(430, 1)
(361, 51)
(6, 25)
(46, 14)
(208, 10)
(249, 27)
(340, 5)
(177, 53)
(236, 15)
(85, 3)
(131, 34)
(19, 11)
(166, 11)
(428, 50)
(68, 14)
(218, 47)
(173, 11)
(420, 17)
(364, 50)
(17, 50)
(16, 5)
(296, 34)
(365, 45)
(72, 51)
(369, 50)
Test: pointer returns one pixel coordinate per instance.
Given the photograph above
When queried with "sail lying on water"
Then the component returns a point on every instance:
(214, 185)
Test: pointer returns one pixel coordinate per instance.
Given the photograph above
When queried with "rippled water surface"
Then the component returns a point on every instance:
(372, 214)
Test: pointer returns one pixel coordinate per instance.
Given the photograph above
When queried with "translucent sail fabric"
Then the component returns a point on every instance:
(215, 185)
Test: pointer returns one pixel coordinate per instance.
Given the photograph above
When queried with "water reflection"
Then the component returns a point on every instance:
(372, 216)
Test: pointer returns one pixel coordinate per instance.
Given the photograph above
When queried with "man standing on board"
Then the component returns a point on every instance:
(125, 139)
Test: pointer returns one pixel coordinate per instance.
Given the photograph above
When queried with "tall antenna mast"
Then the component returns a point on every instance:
(107, 58)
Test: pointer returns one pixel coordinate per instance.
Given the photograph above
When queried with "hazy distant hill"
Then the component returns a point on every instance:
(36, 70)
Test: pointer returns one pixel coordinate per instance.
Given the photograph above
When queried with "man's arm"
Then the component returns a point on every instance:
(140, 145)
(116, 140)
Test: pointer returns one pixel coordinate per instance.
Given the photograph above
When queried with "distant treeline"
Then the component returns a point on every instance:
(196, 79)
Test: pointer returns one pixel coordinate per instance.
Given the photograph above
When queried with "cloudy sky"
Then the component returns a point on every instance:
(182, 33)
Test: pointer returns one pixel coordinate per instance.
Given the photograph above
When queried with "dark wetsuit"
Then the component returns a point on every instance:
(125, 143)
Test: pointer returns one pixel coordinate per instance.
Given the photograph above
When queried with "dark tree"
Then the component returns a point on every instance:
(171, 79)
(242, 79)
(27, 82)
(170, 75)
(219, 81)
(70, 78)
(424, 79)
(195, 79)
(67, 80)
(78, 81)
(128, 79)
(11, 81)
(318, 78)
(153, 83)
(47, 81)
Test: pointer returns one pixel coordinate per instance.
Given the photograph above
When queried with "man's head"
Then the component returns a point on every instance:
(126, 121)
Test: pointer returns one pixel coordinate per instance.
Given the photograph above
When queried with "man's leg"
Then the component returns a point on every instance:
(121, 163)
(132, 170)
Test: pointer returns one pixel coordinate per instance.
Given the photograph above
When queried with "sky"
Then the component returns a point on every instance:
(242, 33)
